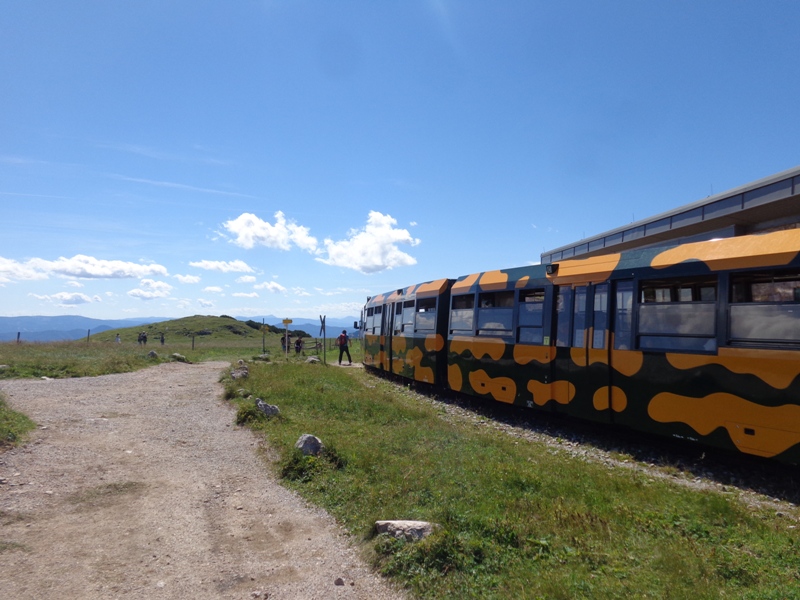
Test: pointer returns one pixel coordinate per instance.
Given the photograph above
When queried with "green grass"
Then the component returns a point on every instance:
(198, 338)
(14, 426)
(518, 519)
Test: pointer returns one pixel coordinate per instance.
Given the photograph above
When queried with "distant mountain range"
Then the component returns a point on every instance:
(69, 327)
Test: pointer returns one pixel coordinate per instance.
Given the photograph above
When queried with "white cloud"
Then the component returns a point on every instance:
(68, 298)
(246, 279)
(270, 286)
(213, 288)
(149, 289)
(298, 291)
(187, 278)
(249, 231)
(373, 248)
(234, 266)
(245, 295)
(75, 284)
(205, 303)
(11, 270)
(89, 267)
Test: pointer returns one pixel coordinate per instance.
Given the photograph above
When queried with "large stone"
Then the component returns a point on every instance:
(268, 409)
(309, 444)
(411, 531)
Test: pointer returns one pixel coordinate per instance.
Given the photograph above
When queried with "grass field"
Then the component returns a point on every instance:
(517, 519)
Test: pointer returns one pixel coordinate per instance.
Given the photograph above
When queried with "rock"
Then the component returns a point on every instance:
(240, 372)
(339, 581)
(152, 354)
(268, 409)
(178, 357)
(411, 531)
(309, 444)
(313, 359)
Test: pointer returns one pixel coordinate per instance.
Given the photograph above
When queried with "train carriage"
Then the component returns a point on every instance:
(698, 341)
(403, 331)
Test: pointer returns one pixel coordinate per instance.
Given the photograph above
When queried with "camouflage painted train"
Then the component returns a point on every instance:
(699, 341)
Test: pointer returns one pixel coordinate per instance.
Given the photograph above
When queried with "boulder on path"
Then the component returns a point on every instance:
(309, 444)
(411, 531)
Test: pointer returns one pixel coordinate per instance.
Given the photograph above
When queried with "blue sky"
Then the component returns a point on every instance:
(292, 158)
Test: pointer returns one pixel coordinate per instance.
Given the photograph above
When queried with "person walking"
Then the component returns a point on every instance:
(343, 342)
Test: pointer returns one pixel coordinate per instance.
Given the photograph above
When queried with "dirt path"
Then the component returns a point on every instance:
(140, 486)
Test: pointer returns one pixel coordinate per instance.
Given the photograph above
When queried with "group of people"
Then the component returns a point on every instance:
(143, 338)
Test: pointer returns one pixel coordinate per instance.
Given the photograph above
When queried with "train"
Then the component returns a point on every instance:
(698, 340)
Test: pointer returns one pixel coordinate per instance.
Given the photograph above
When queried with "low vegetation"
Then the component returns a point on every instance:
(14, 426)
(517, 518)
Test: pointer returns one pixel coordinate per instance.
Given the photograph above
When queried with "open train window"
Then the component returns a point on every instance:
(495, 313)
(426, 314)
(530, 317)
(765, 307)
(678, 314)
(462, 314)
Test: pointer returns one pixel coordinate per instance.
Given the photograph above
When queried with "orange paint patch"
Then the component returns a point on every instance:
(753, 428)
(434, 343)
(399, 344)
(769, 249)
(502, 389)
(578, 356)
(465, 285)
(776, 368)
(522, 282)
(493, 280)
(627, 362)
(544, 392)
(587, 270)
(454, 378)
(610, 397)
(492, 348)
(433, 288)
(524, 354)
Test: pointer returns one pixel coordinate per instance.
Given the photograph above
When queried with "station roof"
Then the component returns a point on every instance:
(764, 205)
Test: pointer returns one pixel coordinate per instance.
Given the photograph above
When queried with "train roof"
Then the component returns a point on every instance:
(768, 204)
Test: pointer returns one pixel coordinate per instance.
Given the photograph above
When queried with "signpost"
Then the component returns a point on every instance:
(286, 323)
(322, 334)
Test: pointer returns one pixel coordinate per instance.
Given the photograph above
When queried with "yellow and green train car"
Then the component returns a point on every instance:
(699, 341)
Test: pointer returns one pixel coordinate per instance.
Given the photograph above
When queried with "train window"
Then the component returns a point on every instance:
(600, 316)
(764, 307)
(678, 314)
(563, 315)
(579, 318)
(463, 313)
(530, 316)
(426, 314)
(495, 313)
(623, 315)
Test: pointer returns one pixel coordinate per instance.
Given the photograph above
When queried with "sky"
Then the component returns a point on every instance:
(291, 158)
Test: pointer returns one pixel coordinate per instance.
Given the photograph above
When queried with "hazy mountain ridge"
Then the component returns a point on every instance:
(73, 327)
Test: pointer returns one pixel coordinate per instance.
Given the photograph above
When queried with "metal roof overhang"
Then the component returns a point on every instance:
(772, 202)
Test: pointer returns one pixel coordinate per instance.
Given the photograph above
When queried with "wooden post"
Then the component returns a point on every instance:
(88, 331)
(18, 334)
(192, 342)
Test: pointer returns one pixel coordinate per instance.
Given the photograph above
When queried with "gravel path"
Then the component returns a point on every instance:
(139, 485)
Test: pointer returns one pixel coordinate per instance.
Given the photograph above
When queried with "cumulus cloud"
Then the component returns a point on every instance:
(246, 279)
(250, 231)
(298, 291)
(75, 284)
(270, 286)
(205, 303)
(213, 288)
(89, 267)
(187, 278)
(245, 295)
(373, 248)
(68, 298)
(234, 266)
(149, 289)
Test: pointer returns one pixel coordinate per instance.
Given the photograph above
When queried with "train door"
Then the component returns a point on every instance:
(623, 360)
(562, 388)
(386, 335)
(598, 354)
